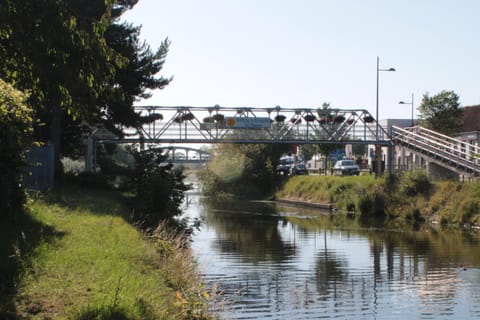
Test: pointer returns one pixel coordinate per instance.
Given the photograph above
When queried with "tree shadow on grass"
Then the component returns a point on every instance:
(18, 238)
(115, 312)
(96, 200)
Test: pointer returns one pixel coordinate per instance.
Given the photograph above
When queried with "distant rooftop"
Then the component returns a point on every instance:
(471, 118)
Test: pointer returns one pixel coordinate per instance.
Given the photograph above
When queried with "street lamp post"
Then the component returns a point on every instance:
(411, 103)
(378, 148)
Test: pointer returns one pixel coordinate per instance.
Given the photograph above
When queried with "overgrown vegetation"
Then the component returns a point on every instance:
(15, 138)
(242, 171)
(411, 196)
(455, 203)
(345, 192)
(158, 187)
(79, 258)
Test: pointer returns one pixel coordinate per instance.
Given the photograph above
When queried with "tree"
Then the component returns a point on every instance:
(79, 64)
(56, 49)
(307, 151)
(441, 112)
(134, 79)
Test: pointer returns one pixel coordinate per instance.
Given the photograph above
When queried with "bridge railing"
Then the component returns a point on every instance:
(456, 153)
(259, 125)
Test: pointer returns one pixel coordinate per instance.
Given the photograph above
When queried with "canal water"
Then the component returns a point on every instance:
(275, 262)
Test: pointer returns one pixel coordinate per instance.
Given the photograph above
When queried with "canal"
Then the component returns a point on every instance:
(274, 262)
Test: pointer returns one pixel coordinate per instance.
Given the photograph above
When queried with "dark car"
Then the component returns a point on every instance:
(285, 165)
(346, 167)
(298, 168)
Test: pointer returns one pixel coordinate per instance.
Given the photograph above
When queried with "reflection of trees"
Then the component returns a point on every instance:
(249, 229)
(330, 272)
(403, 240)
(397, 263)
(423, 258)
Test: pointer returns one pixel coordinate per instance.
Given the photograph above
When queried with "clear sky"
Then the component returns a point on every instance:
(302, 53)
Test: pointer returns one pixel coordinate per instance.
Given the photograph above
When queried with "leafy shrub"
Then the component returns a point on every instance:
(416, 182)
(73, 166)
(372, 204)
(158, 186)
(15, 130)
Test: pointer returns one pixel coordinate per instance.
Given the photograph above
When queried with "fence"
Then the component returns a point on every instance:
(40, 175)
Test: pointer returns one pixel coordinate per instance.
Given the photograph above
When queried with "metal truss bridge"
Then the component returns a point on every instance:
(255, 125)
(207, 125)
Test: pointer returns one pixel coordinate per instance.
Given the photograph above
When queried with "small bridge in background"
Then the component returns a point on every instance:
(186, 155)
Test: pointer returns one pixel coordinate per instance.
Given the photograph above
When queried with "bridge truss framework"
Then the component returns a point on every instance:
(211, 125)
(256, 125)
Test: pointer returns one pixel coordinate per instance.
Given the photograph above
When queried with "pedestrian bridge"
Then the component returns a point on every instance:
(210, 125)
(206, 125)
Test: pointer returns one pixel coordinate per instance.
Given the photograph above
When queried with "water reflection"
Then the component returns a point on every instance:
(248, 230)
(285, 263)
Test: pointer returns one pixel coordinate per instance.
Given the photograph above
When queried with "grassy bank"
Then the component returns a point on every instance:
(411, 196)
(79, 258)
(344, 192)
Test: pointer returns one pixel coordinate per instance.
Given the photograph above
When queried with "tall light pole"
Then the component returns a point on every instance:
(403, 102)
(378, 148)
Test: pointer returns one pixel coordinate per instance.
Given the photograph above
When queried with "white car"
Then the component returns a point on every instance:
(346, 168)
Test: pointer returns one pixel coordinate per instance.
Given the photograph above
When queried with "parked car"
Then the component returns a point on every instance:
(298, 168)
(346, 168)
(285, 165)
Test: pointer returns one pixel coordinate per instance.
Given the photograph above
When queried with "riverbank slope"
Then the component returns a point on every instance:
(75, 255)
(411, 197)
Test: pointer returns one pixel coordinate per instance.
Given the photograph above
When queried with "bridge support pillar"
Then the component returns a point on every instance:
(438, 172)
(378, 161)
(390, 160)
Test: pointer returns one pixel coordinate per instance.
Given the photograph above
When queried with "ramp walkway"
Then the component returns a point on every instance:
(456, 155)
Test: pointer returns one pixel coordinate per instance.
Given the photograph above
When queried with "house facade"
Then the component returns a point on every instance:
(471, 126)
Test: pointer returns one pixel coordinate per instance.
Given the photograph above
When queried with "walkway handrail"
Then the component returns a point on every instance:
(455, 153)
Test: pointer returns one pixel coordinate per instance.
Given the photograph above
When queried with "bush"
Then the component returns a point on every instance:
(15, 130)
(158, 187)
(242, 171)
(372, 204)
(416, 182)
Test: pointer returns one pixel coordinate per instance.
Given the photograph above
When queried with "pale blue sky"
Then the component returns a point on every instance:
(302, 53)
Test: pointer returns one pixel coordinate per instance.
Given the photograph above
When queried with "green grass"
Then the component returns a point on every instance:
(343, 191)
(411, 196)
(95, 265)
